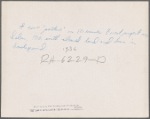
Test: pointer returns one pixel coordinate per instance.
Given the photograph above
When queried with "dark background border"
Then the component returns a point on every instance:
(69, 117)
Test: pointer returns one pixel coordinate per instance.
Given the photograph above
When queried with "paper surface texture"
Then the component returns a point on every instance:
(74, 59)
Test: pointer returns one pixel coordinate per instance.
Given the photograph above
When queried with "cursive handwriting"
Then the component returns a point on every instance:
(29, 48)
(39, 34)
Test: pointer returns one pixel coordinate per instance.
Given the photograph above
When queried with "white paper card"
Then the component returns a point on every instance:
(74, 59)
